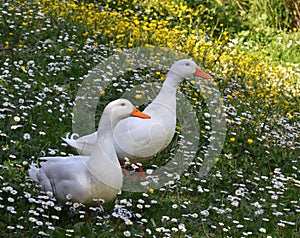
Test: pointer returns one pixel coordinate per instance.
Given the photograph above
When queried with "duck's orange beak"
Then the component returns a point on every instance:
(200, 73)
(137, 113)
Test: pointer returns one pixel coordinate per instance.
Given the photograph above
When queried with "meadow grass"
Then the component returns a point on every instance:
(47, 48)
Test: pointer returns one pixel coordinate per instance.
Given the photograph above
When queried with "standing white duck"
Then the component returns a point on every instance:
(138, 140)
(86, 178)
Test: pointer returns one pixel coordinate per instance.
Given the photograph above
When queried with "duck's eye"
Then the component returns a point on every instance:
(123, 104)
(187, 64)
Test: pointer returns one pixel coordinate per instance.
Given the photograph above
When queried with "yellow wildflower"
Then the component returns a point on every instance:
(178, 128)
(102, 92)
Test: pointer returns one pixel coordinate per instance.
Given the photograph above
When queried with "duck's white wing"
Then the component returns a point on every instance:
(61, 175)
(136, 138)
(63, 159)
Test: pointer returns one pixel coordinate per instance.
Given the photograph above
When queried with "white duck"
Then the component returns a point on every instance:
(138, 139)
(85, 178)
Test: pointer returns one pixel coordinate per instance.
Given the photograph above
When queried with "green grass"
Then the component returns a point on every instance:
(282, 46)
(253, 189)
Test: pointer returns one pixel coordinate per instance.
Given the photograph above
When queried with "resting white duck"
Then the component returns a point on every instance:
(86, 178)
(139, 140)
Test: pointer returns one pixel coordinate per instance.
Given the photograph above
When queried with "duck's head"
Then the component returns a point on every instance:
(122, 108)
(187, 68)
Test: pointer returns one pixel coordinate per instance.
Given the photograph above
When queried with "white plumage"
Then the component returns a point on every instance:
(86, 178)
(139, 139)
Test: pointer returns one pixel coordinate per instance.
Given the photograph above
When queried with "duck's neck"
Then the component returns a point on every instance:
(106, 125)
(103, 163)
(167, 94)
(105, 136)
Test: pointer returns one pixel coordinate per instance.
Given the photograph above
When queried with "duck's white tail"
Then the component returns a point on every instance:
(70, 139)
(33, 170)
(38, 175)
(84, 145)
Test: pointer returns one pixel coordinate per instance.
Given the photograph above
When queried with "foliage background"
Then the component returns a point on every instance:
(252, 47)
